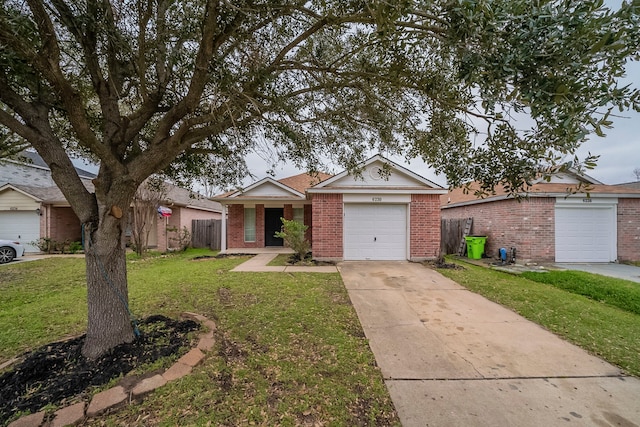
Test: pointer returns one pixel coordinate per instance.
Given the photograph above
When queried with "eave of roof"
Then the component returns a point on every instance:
(457, 198)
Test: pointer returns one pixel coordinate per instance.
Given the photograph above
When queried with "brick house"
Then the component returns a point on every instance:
(32, 207)
(387, 213)
(556, 222)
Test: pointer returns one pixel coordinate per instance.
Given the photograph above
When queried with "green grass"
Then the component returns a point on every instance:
(614, 292)
(289, 347)
(606, 331)
(280, 260)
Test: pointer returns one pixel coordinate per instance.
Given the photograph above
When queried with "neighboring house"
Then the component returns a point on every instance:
(372, 217)
(32, 207)
(634, 184)
(601, 223)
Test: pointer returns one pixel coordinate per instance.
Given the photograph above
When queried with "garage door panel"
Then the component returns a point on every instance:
(585, 234)
(375, 232)
(23, 226)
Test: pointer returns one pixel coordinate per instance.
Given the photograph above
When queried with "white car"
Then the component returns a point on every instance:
(10, 250)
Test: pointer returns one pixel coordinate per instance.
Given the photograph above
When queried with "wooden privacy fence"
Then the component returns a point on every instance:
(206, 233)
(451, 232)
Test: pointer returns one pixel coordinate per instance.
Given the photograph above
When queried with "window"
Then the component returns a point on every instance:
(249, 224)
(298, 215)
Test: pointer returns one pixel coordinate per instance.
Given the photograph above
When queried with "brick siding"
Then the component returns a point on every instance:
(287, 212)
(425, 227)
(327, 219)
(628, 229)
(308, 221)
(235, 228)
(529, 226)
(64, 225)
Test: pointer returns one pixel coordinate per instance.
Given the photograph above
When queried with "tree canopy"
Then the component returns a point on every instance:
(139, 84)
(189, 87)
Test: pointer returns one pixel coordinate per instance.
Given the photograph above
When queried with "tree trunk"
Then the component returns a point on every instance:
(109, 322)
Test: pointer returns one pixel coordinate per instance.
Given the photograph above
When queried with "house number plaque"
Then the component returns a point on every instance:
(376, 199)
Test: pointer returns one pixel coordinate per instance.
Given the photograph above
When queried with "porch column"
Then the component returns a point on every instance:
(223, 236)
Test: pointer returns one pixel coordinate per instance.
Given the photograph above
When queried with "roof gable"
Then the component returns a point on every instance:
(267, 187)
(292, 187)
(373, 176)
(23, 191)
(569, 176)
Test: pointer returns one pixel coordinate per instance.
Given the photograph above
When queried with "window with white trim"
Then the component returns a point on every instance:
(298, 215)
(249, 224)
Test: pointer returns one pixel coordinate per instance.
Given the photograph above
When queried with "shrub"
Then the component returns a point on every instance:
(293, 234)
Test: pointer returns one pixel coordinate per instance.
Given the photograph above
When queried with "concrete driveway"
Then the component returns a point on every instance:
(620, 271)
(453, 358)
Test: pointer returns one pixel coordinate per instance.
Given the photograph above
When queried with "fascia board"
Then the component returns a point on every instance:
(375, 191)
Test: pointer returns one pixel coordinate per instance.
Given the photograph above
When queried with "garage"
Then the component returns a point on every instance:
(23, 226)
(585, 233)
(375, 231)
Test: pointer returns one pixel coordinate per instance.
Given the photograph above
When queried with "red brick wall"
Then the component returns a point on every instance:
(425, 226)
(235, 228)
(628, 229)
(288, 212)
(308, 221)
(64, 225)
(327, 220)
(259, 226)
(529, 226)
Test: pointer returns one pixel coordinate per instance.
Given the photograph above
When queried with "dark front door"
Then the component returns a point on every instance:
(272, 223)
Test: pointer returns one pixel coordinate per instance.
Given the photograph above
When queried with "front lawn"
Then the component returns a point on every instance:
(289, 347)
(558, 303)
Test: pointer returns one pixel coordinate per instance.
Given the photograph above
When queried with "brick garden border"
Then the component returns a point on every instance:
(120, 396)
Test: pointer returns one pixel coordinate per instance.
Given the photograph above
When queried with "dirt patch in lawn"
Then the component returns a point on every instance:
(441, 263)
(57, 374)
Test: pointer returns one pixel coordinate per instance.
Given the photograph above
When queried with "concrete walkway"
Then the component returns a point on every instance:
(620, 271)
(453, 358)
(259, 263)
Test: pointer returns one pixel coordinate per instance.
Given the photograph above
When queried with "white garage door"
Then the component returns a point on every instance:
(586, 234)
(23, 226)
(375, 232)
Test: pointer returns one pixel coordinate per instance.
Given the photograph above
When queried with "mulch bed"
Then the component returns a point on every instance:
(57, 374)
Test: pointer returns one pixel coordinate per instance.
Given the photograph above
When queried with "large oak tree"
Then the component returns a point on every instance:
(144, 86)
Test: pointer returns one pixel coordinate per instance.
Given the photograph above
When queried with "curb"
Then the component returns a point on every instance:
(118, 396)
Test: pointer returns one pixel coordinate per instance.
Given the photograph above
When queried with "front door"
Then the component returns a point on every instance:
(272, 223)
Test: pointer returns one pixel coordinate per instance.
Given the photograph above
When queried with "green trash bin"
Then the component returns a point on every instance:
(475, 246)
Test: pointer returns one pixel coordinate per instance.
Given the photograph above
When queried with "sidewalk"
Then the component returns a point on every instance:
(259, 264)
(450, 357)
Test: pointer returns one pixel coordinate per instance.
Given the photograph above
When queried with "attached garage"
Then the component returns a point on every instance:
(375, 232)
(19, 216)
(585, 230)
(23, 226)
(387, 213)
